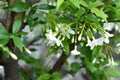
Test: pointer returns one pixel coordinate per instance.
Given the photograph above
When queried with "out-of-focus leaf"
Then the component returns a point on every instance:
(17, 24)
(90, 66)
(95, 4)
(66, 47)
(100, 13)
(18, 43)
(18, 7)
(56, 76)
(4, 35)
(76, 3)
(44, 7)
(97, 50)
(59, 3)
(44, 76)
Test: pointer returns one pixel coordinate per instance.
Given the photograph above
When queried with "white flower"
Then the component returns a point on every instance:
(65, 29)
(75, 52)
(52, 40)
(106, 37)
(99, 41)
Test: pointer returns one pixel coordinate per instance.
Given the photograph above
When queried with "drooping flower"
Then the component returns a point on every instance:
(99, 41)
(52, 40)
(75, 52)
(106, 37)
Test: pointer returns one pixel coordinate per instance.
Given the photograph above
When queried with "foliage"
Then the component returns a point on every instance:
(78, 22)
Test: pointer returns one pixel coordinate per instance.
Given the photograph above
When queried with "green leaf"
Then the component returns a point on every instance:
(97, 50)
(83, 3)
(100, 13)
(59, 3)
(18, 43)
(89, 33)
(4, 35)
(18, 7)
(75, 67)
(95, 4)
(76, 3)
(90, 66)
(66, 47)
(44, 76)
(5, 51)
(56, 76)
(17, 24)
(44, 6)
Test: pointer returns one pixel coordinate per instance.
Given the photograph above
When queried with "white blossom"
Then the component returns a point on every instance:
(75, 52)
(52, 40)
(99, 41)
(106, 37)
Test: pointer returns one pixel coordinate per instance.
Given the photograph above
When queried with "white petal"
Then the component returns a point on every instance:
(75, 52)
(28, 51)
(79, 37)
(108, 34)
(13, 56)
(106, 40)
(99, 41)
(71, 31)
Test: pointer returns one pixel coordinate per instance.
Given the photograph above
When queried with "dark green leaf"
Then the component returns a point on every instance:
(17, 24)
(18, 7)
(44, 6)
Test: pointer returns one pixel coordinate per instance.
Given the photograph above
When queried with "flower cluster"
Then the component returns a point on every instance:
(99, 41)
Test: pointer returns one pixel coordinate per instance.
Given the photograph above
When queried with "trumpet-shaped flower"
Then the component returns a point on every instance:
(75, 52)
(52, 40)
(99, 41)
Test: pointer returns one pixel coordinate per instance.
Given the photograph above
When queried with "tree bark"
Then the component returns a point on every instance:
(11, 69)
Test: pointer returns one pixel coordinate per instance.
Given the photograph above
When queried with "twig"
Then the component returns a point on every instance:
(59, 63)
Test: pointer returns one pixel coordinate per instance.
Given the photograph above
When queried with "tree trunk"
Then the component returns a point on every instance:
(11, 70)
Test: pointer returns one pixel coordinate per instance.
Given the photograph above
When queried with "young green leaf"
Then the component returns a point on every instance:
(44, 76)
(100, 13)
(18, 7)
(66, 47)
(83, 3)
(95, 4)
(18, 43)
(4, 35)
(17, 24)
(59, 3)
(76, 3)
